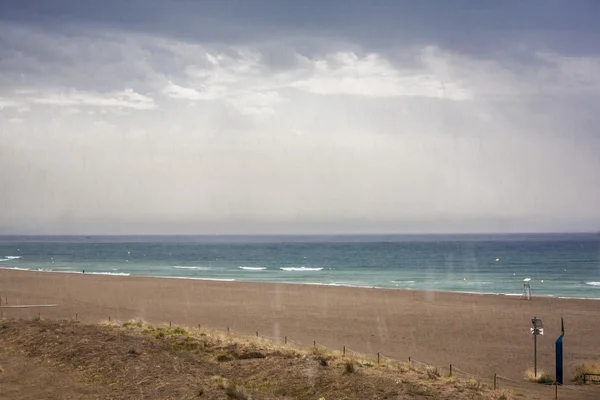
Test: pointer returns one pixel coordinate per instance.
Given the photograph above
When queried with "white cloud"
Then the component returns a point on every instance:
(127, 98)
(284, 135)
(179, 92)
(374, 76)
(6, 103)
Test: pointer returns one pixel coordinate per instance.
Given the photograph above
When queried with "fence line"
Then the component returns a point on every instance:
(455, 368)
(356, 353)
(317, 345)
(387, 358)
(511, 380)
(290, 341)
(412, 361)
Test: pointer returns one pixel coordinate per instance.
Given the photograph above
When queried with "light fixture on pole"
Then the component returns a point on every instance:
(536, 329)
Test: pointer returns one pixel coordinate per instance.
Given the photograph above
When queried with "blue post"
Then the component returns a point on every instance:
(559, 360)
(559, 354)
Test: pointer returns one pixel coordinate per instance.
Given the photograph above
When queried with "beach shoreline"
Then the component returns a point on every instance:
(482, 334)
(121, 274)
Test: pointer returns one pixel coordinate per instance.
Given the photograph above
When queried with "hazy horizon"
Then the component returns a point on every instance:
(299, 117)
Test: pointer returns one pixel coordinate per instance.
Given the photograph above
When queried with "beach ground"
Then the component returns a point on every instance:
(479, 334)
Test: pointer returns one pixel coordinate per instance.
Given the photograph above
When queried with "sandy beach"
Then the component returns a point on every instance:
(482, 334)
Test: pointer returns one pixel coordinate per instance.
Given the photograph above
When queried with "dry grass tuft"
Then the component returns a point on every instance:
(474, 384)
(349, 367)
(585, 368)
(238, 392)
(220, 382)
(502, 394)
(135, 323)
(541, 377)
(432, 373)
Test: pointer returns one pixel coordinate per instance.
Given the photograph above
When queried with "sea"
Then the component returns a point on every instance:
(560, 265)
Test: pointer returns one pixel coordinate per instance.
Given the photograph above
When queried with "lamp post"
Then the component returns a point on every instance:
(537, 329)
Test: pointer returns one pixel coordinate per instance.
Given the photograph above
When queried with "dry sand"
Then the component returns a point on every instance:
(482, 334)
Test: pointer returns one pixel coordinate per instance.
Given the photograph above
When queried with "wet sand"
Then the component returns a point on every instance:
(482, 334)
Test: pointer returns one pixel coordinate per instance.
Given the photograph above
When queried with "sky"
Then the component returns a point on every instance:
(299, 116)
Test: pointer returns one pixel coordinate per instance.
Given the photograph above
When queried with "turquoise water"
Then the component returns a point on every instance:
(565, 265)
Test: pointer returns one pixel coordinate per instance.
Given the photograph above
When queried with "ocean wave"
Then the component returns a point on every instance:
(194, 268)
(12, 257)
(299, 269)
(593, 283)
(252, 268)
(403, 282)
(87, 273)
(197, 279)
(4, 259)
(107, 273)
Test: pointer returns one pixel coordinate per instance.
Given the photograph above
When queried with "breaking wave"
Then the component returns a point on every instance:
(296, 269)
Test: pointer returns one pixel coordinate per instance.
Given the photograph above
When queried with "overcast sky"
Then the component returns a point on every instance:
(273, 116)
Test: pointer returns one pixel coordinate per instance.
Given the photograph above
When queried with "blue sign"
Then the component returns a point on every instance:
(559, 354)
(559, 360)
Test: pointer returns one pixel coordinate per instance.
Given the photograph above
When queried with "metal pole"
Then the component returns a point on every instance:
(534, 354)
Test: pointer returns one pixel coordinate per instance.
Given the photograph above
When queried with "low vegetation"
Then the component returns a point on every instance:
(541, 377)
(63, 359)
(585, 368)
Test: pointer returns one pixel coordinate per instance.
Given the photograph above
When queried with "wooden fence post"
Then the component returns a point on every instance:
(256, 333)
(285, 339)
(555, 391)
(315, 344)
(344, 351)
(495, 377)
(450, 369)
(377, 358)
(409, 359)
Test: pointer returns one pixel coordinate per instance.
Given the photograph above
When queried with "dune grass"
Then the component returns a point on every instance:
(131, 357)
(541, 377)
(585, 368)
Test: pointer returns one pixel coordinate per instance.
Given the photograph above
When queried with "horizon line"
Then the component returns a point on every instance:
(306, 234)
